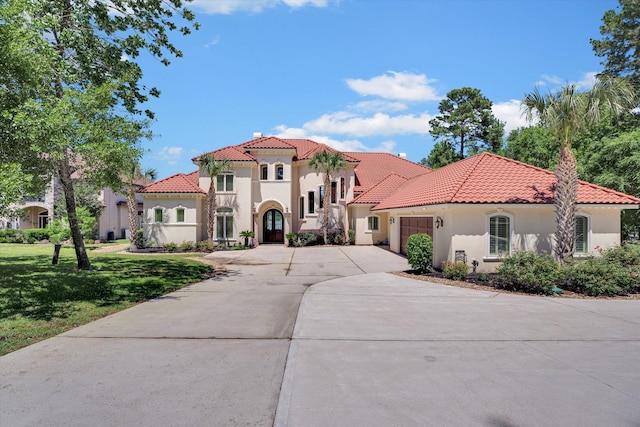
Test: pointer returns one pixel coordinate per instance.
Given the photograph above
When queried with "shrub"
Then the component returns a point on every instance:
(455, 270)
(592, 276)
(352, 237)
(528, 272)
(420, 252)
(338, 239)
(204, 246)
(310, 239)
(170, 247)
(59, 231)
(140, 243)
(186, 246)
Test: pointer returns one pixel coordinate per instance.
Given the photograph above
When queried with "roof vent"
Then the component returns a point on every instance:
(257, 135)
(402, 155)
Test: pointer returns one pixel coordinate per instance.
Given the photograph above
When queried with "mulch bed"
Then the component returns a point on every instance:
(473, 283)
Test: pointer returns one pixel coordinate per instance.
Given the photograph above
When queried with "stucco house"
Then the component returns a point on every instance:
(478, 209)
(113, 222)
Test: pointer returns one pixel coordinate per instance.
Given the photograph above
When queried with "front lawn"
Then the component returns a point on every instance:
(39, 300)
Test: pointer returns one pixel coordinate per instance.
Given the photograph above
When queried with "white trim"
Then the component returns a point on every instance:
(371, 230)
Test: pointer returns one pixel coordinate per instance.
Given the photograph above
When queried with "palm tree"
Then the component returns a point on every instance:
(134, 173)
(213, 168)
(566, 113)
(327, 163)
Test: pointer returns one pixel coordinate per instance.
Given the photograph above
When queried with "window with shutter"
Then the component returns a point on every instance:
(499, 235)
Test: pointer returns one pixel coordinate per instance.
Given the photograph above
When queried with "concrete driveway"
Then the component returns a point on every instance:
(261, 346)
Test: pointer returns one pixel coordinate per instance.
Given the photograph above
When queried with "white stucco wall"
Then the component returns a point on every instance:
(170, 231)
(359, 215)
(466, 228)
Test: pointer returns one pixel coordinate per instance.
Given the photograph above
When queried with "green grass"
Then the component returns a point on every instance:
(39, 300)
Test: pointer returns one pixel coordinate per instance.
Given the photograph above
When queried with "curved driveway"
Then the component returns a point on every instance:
(260, 346)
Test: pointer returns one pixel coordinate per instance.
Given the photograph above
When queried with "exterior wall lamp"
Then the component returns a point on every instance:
(439, 222)
(392, 220)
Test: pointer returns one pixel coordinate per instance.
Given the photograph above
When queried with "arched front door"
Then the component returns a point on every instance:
(272, 227)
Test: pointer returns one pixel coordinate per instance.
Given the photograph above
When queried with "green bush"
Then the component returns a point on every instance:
(140, 243)
(170, 247)
(420, 252)
(616, 272)
(593, 276)
(186, 246)
(352, 237)
(58, 231)
(455, 270)
(310, 239)
(204, 246)
(528, 272)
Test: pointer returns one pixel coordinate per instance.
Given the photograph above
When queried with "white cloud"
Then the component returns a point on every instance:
(212, 42)
(510, 112)
(398, 86)
(345, 123)
(340, 145)
(124, 57)
(171, 155)
(226, 7)
(378, 105)
(586, 81)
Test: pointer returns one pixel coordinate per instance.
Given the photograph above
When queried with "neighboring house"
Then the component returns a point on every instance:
(478, 209)
(113, 223)
(35, 212)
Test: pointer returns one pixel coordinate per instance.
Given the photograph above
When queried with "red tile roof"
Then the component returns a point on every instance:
(489, 178)
(305, 149)
(178, 183)
(381, 190)
(374, 167)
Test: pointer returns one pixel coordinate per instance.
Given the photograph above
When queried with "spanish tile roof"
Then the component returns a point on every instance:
(178, 183)
(305, 149)
(268, 142)
(381, 190)
(489, 178)
(374, 167)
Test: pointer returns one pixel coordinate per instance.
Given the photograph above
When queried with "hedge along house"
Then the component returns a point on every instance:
(271, 190)
(485, 207)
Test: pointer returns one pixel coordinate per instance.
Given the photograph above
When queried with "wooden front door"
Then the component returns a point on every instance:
(411, 225)
(272, 227)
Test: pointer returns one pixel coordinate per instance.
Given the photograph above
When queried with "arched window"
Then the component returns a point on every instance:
(499, 236)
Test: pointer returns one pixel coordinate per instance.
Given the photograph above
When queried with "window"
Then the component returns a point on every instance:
(334, 192)
(279, 172)
(224, 223)
(582, 234)
(180, 215)
(373, 223)
(157, 215)
(499, 235)
(342, 188)
(301, 208)
(321, 197)
(311, 202)
(224, 182)
(264, 172)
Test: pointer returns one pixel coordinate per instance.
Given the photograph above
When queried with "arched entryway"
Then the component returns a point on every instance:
(273, 226)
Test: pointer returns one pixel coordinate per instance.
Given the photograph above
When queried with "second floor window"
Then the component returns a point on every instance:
(264, 172)
(334, 192)
(342, 188)
(224, 182)
(279, 172)
(180, 215)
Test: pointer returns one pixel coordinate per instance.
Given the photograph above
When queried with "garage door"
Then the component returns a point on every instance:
(411, 225)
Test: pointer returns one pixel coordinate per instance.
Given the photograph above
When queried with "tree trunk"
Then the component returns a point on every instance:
(211, 212)
(67, 186)
(132, 206)
(565, 203)
(325, 213)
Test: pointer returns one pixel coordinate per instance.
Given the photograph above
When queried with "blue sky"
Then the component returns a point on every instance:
(358, 75)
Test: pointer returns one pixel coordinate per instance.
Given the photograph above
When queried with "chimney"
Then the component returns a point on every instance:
(402, 155)
(257, 135)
